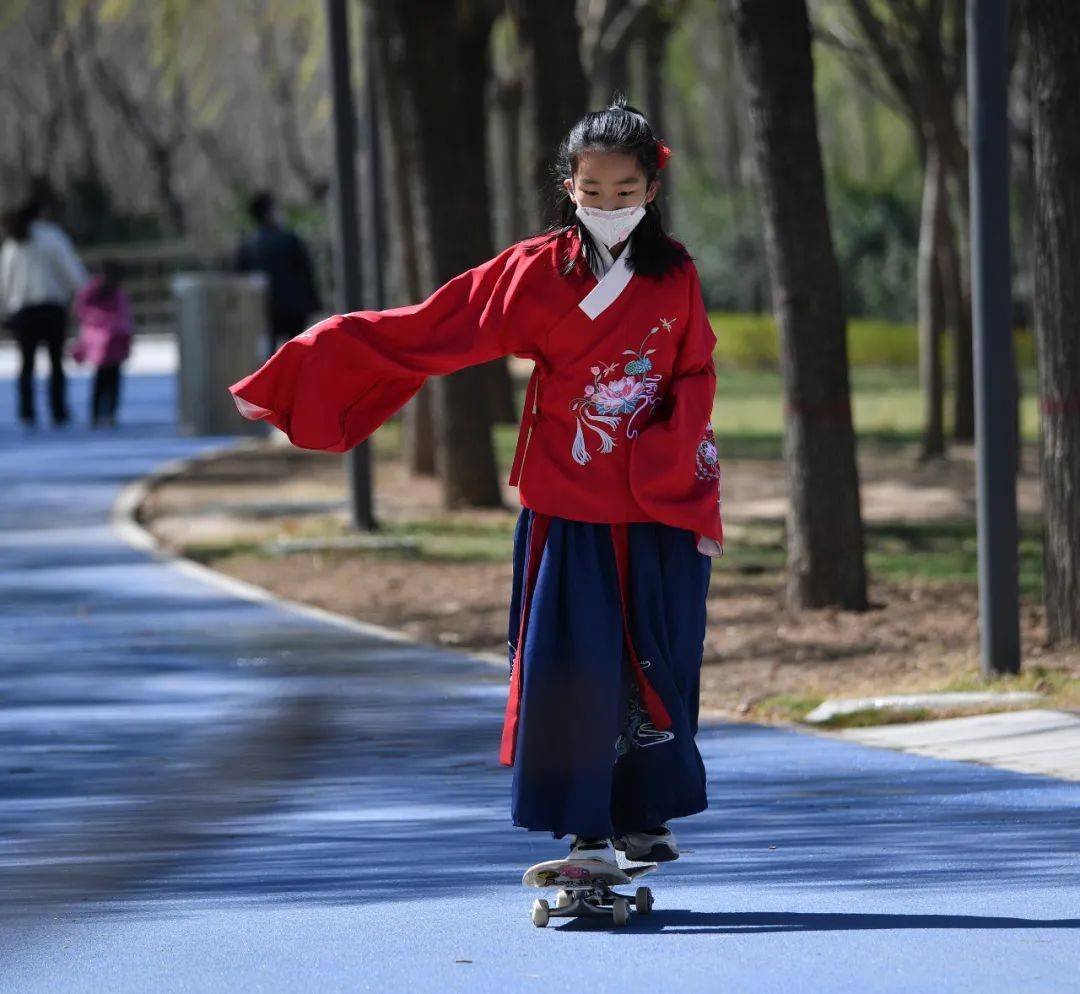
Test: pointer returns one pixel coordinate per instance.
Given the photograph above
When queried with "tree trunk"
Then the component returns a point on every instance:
(499, 392)
(609, 49)
(445, 58)
(654, 41)
(418, 439)
(399, 128)
(505, 97)
(506, 113)
(550, 44)
(726, 109)
(931, 312)
(825, 535)
(913, 49)
(655, 35)
(1055, 41)
(958, 318)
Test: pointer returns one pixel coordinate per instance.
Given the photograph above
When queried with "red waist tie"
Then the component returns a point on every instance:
(538, 530)
(529, 418)
(650, 698)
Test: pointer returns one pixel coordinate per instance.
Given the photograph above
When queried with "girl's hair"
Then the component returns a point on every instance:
(619, 127)
(18, 220)
(111, 272)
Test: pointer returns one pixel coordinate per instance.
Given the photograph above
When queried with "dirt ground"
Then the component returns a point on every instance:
(239, 512)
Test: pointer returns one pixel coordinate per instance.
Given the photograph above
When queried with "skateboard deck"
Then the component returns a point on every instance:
(585, 889)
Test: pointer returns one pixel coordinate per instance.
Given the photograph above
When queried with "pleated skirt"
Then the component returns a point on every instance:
(605, 639)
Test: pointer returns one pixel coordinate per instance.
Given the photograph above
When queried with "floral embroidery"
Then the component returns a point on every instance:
(612, 396)
(708, 461)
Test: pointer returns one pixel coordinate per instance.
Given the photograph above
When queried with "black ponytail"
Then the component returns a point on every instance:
(619, 127)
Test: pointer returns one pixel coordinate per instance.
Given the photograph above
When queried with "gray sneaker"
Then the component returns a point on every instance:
(654, 845)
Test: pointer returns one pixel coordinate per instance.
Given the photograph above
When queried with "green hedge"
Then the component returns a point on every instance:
(749, 341)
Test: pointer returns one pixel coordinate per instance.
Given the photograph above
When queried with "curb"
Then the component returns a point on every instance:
(123, 519)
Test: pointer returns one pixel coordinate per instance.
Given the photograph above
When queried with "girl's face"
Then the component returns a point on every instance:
(609, 180)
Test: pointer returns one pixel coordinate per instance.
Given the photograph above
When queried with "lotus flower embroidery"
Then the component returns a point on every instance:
(618, 397)
(614, 394)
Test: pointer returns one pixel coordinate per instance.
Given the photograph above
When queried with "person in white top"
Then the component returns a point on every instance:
(40, 273)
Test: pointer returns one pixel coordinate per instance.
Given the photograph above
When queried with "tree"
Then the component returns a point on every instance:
(282, 68)
(147, 118)
(406, 217)
(825, 534)
(549, 41)
(450, 148)
(1055, 54)
(919, 46)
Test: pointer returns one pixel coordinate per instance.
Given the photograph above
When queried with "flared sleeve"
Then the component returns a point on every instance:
(674, 468)
(335, 383)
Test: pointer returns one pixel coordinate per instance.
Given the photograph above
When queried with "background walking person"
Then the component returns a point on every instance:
(105, 331)
(281, 254)
(40, 273)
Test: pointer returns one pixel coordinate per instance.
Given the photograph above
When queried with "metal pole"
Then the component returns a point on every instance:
(349, 291)
(374, 228)
(991, 300)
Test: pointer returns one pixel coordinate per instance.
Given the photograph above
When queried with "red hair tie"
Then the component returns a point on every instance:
(663, 153)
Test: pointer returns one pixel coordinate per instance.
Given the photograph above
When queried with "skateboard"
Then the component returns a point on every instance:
(585, 890)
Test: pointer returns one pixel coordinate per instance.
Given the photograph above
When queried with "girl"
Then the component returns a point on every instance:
(104, 313)
(617, 475)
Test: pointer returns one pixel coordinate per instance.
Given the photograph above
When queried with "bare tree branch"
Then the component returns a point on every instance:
(889, 56)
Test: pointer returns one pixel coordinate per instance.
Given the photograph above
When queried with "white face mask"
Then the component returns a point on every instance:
(611, 227)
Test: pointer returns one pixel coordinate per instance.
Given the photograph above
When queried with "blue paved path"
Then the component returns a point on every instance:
(202, 793)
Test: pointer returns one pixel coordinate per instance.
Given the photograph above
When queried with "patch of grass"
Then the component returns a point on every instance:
(752, 548)
(455, 526)
(886, 406)
(1034, 676)
(432, 540)
(868, 717)
(444, 540)
(934, 551)
(946, 551)
(208, 553)
(387, 441)
(788, 707)
(1060, 687)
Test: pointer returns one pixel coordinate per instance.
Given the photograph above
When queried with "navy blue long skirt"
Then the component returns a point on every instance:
(588, 756)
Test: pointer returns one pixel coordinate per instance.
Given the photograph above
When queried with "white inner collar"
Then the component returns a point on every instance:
(610, 283)
(606, 260)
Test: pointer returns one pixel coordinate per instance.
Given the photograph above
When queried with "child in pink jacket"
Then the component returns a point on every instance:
(103, 310)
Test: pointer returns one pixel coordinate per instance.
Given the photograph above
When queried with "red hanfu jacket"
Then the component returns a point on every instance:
(617, 423)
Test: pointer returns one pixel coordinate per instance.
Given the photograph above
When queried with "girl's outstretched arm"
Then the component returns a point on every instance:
(335, 383)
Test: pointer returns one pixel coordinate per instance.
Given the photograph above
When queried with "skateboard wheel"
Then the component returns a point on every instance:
(620, 911)
(643, 900)
(541, 912)
(563, 899)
